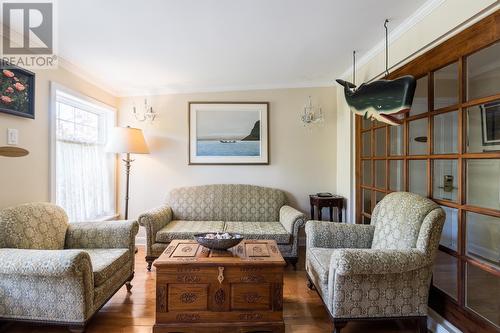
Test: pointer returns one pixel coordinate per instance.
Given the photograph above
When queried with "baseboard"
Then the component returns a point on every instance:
(437, 324)
(484, 252)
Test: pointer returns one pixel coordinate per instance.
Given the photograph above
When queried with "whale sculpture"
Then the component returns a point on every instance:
(382, 100)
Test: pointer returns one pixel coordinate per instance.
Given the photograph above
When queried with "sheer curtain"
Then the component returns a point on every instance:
(83, 180)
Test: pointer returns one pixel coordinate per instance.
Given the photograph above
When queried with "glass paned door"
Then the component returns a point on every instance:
(444, 274)
(448, 149)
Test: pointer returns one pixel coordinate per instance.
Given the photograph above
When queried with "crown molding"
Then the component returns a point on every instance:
(84, 75)
(63, 63)
(230, 88)
(421, 13)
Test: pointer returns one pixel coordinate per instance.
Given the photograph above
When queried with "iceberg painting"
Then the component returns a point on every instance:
(228, 133)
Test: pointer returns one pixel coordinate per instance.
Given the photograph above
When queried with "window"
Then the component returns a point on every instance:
(83, 172)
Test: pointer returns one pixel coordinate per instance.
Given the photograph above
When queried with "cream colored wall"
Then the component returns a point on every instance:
(449, 15)
(26, 179)
(302, 160)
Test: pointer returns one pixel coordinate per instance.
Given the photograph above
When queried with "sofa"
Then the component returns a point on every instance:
(377, 271)
(253, 211)
(60, 273)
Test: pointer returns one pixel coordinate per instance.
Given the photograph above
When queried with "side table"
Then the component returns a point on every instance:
(330, 202)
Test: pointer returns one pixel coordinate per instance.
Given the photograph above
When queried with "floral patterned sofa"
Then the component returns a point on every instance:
(381, 270)
(253, 211)
(59, 273)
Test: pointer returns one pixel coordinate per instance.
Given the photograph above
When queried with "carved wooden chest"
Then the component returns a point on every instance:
(199, 290)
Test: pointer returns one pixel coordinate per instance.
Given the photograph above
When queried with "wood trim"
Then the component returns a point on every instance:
(358, 149)
(481, 100)
(470, 40)
(448, 250)
(483, 266)
(463, 318)
(469, 156)
(461, 182)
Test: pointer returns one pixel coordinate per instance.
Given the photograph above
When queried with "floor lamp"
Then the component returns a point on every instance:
(127, 140)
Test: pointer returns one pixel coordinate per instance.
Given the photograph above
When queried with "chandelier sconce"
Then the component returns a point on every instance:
(312, 114)
(148, 114)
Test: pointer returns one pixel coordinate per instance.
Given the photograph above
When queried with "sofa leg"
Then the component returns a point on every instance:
(310, 284)
(422, 324)
(77, 329)
(128, 283)
(338, 325)
(150, 262)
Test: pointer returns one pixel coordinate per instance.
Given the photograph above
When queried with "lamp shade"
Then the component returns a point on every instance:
(127, 140)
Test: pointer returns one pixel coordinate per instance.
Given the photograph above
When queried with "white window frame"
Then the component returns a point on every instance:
(94, 104)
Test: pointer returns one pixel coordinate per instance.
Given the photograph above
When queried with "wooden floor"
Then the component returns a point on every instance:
(127, 313)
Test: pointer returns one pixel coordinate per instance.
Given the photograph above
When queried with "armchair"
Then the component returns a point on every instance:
(59, 273)
(376, 271)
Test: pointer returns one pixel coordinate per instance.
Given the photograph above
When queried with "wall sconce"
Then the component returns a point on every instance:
(148, 115)
(312, 114)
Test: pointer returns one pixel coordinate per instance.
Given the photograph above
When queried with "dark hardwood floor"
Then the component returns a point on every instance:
(127, 313)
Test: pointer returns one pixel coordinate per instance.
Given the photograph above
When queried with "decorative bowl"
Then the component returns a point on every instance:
(220, 244)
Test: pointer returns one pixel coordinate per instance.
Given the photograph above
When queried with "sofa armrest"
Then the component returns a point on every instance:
(154, 220)
(338, 235)
(292, 219)
(26, 276)
(55, 263)
(96, 235)
(374, 261)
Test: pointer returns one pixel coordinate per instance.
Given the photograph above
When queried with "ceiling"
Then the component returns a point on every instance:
(163, 46)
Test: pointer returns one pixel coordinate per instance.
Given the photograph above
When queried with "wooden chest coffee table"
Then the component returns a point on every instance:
(199, 290)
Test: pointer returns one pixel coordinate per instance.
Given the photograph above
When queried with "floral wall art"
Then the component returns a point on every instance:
(17, 87)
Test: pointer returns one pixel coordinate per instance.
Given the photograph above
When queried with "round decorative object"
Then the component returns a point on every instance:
(218, 244)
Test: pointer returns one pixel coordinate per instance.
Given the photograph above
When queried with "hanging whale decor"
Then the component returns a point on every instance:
(382, 100)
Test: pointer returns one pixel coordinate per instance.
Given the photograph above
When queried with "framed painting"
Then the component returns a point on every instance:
(228, 132)
(17, 91)
(490, 125)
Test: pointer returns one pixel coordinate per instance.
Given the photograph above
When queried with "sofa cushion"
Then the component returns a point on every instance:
(260, 230)
(226, 202)
(106, 262)
(318, 259)
(180, 229)
(40, 226)
(398, 218)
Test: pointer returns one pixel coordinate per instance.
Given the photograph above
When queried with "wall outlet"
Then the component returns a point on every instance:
(12, 136)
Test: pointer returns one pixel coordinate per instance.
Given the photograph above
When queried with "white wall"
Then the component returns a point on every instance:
(302, 160)
(26, 179)
(448, 16)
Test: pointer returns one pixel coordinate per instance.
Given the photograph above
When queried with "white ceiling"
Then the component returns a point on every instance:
(161, 46)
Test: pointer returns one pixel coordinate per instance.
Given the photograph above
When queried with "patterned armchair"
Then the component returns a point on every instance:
(59, 273)
(382, 270)
(253, 211)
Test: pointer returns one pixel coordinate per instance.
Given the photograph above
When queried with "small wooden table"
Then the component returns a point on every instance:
(330, 202)
(199, 290)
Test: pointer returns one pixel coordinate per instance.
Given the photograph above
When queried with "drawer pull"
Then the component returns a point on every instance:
(221, 274)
